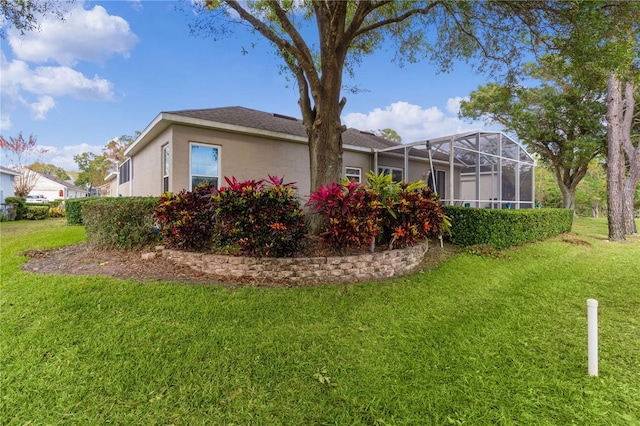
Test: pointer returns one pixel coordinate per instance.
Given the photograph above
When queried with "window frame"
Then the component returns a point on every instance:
(191, 175)
(166, 164)
(357, 177)
(389, 170)
(125, 171)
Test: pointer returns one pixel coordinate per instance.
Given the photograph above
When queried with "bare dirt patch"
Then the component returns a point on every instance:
(82, 259)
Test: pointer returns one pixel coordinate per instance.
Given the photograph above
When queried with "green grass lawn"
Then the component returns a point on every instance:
(481, 340)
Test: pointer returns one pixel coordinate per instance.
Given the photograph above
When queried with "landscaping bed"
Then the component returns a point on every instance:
(82, 259)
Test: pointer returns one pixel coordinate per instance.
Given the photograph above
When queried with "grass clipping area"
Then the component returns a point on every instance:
(484, 339)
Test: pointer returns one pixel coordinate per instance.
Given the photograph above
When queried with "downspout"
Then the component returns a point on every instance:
(451, 171)
(375, 161)
(406, 164)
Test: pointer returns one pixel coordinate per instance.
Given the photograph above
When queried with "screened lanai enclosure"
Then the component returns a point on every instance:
(478, 169)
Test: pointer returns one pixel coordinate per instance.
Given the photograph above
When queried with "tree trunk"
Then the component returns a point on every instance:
(615, 160)
(325, 151)
(325, 147)
(568, 197)
(629, 190)
(633, 159)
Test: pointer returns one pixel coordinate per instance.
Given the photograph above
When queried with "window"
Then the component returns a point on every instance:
(396, 174)
(165, 168)
(205, 165)
(354, 174)
(124, 172)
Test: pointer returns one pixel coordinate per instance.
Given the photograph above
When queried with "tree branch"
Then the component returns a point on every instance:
(298, 49)
(400, 18)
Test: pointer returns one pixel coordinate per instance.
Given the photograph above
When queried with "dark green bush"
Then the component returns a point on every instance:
(505, 228)
(38, 212)
(73, 209)
(186, 218)
(120, 223)
(17, 207)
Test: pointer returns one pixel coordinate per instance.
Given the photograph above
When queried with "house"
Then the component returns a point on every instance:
(53, 188)
(6, 185)
(110, 186)
(180, 149)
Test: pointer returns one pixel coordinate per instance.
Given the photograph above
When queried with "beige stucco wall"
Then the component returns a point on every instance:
(243, 157)
(240, 156)
(146, 169)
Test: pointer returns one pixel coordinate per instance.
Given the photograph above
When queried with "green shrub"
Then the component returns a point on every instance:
(73, 209)
(262, 218)
(120, 223)
(505, 228)
(17, 207)
(38, 212)
(186, 218)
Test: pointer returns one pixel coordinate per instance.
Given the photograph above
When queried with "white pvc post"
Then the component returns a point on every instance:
(592, 336)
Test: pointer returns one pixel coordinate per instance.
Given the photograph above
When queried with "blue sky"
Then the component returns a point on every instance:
(112, 66)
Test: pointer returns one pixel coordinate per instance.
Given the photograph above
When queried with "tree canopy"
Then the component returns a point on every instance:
(600, 44)
(318, 41)
(93, 170)
(49, 169)
(561, 123)
(23, 14)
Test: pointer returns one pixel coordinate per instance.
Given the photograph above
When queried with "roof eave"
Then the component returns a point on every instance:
(164, 120)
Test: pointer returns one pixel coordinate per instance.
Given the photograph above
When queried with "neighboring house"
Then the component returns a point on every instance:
(110, 186)
(180, 149)
(6, 185)
(53, 188)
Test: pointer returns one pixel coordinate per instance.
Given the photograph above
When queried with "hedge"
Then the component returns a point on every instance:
(506, 228)
(17, 208)
(73, 209)
(120, 223)
(37, 212)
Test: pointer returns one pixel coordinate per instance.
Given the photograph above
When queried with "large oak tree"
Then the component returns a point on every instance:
(318, 41)
(561, 122)
(600, 41)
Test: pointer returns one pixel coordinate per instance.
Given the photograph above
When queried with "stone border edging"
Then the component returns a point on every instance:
(304, 270)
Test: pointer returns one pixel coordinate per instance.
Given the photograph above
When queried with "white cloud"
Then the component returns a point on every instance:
(63, 157)
(5, 122)
(136, 4)
(453, 104)
(40, 108)
(86, 34)
(64, 81)
(20, 82)
(413, 122)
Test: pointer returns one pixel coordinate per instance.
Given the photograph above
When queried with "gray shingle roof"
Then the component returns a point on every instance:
(240, 116)
(246, 117)
(64, 183)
